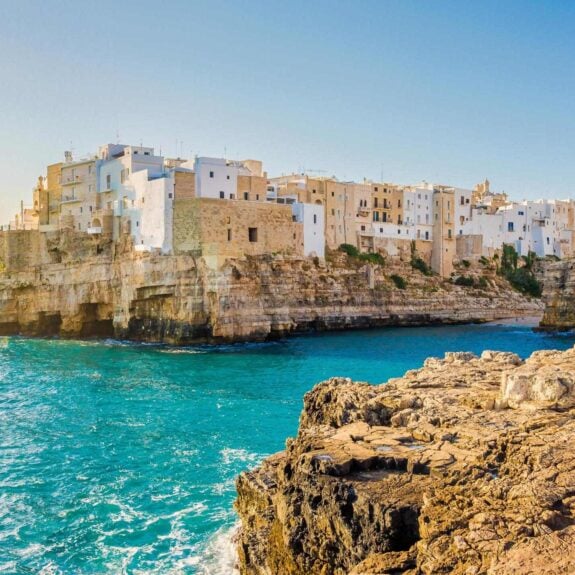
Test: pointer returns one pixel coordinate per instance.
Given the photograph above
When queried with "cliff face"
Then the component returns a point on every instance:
(82, 287)
(464, 466)
(559, 296)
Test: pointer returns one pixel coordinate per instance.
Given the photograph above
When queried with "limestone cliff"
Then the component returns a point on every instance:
(83, 286)
(464, 466)
(559, 296)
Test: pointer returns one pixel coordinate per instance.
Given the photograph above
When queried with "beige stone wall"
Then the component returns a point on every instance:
(185, 185)
(214, 227)
(22, 250)
(469, 246)
(252, 188)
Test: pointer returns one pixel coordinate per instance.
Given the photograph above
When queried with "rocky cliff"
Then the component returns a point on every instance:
(464, 466)
(559, 296)
(83, 286)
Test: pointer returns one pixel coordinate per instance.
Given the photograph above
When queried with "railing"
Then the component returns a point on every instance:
(94, 230)
(69, 180)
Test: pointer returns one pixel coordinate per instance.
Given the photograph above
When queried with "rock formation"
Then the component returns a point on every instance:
(464, 466)
(559, 296)
(78, 286)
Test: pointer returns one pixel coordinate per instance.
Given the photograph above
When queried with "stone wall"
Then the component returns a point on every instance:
(221, 228)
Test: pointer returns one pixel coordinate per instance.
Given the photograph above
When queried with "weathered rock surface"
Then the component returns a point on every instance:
(79, 287)
(559, 296)
(465, 466)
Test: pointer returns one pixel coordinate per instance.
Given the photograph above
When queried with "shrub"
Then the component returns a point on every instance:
(353, 252)
(349, 250)
(482, 283)
(465, 263)
(524, 281)
(484, 261)
(418, 264)
(376, 258)
(465, 281)
(399, 282)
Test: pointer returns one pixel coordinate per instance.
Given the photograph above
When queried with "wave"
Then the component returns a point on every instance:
(219, 556)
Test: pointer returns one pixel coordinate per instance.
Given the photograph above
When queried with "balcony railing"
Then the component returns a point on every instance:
(71, 180)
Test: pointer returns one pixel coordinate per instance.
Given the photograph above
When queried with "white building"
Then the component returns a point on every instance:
(312, 216)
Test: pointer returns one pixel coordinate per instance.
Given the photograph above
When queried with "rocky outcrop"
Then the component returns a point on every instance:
(559, 296)
(84, 287)
(464, 466)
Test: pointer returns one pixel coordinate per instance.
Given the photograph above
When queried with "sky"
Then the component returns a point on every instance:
(450, 92)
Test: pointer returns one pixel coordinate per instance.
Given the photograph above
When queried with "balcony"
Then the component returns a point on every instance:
(70, 181)
(70, 199)
(94, 230)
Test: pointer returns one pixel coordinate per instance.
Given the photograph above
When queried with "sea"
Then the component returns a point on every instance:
(121, 458)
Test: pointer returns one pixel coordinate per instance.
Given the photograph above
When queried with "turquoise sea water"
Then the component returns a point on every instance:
(119, 458)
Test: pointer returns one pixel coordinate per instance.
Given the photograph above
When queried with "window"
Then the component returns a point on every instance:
(90, 169)
(228, 177)
(462, 200)
(211, 174)
(375, 202)
(332, 194)
(108, 182)
(80, 227)
(170, 195)
(363, 228)
(222, 195)
(135, 152)
(81, 209)
(376, 216)
(229, 235)
(510, 226)
(398, 231)
(246, 196)
(257, 197)
(426, 235)
(253, 234)
(313, 191)
(232, 197)
(521, 213)
(146, 153)
(90, 208)
(315, 219)
(137, 224)
(547, 241)
(399, 203)
(449, 233)
(375, 189)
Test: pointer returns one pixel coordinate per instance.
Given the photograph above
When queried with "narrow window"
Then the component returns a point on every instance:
(253, 234)
(257, 197)
(245, 195)
(108, 182)
(222, 195)
(170, 195)
(314, 219)
(229, 235)
(228, 177)
(211, 174)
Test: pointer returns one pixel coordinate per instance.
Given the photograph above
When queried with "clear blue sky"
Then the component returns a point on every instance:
(448, 91)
